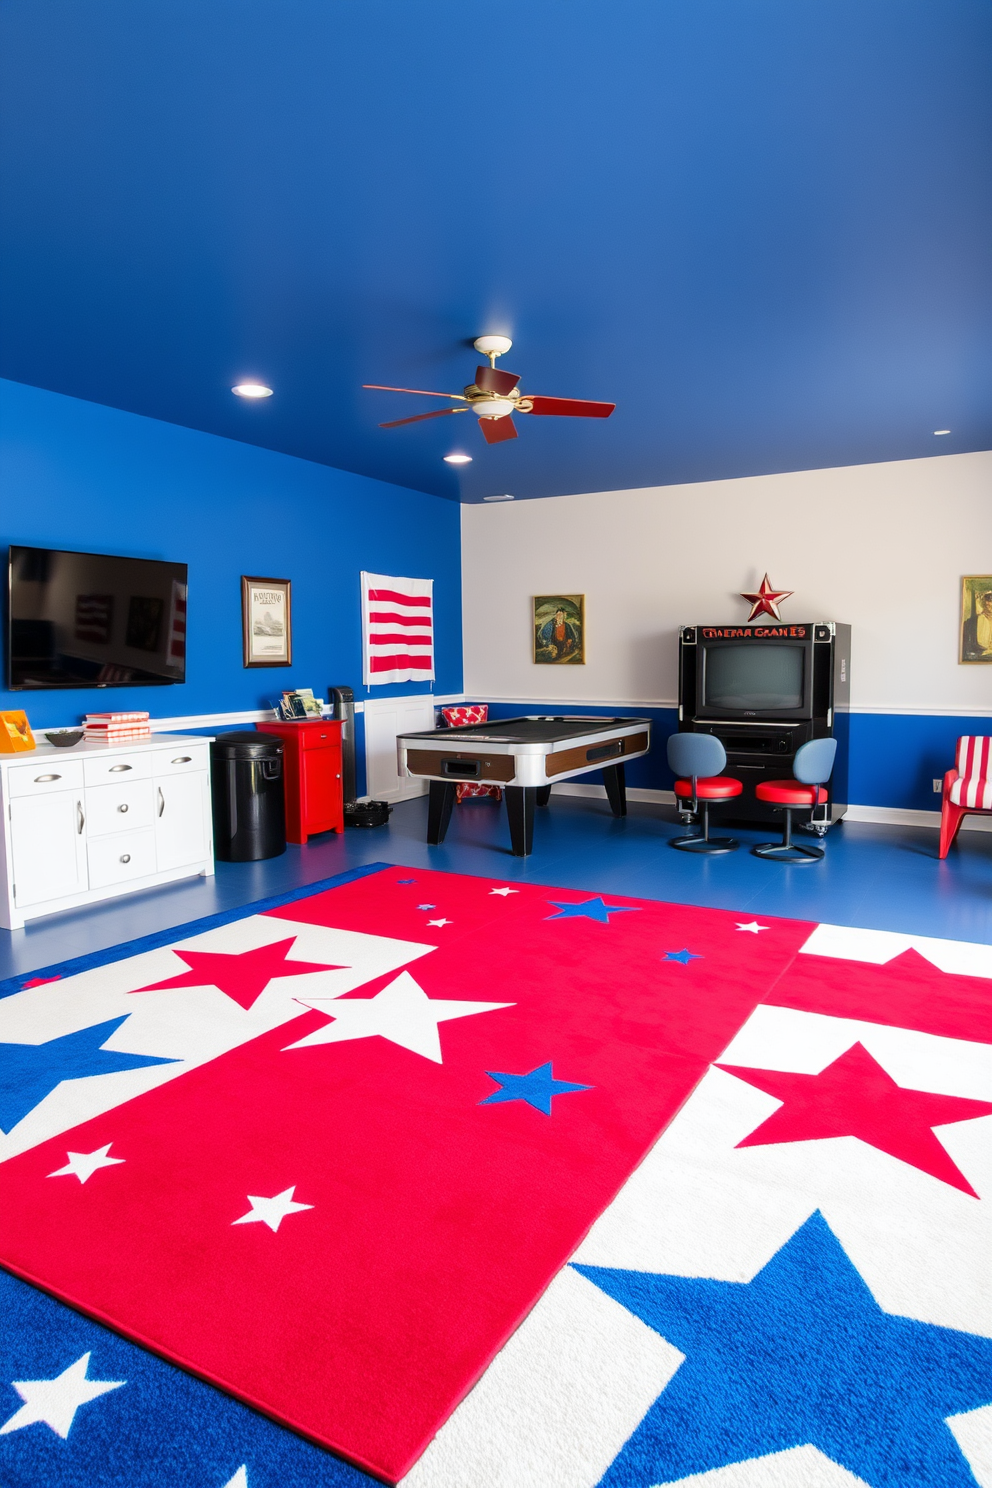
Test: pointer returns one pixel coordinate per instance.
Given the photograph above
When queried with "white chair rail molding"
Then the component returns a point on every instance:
(100, 821)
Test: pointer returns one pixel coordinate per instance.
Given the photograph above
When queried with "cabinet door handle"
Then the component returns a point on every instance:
(122, 806)
(125, 857)
(183, 759)
(80, 818)
(161, 801)
(116, 769)
(44, 779)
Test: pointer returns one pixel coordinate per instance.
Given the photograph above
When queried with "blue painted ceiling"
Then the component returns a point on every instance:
(762, 228)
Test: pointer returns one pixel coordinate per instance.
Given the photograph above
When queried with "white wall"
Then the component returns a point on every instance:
(881, 546)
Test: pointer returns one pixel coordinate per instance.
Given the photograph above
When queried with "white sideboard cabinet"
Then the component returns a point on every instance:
(97, 820)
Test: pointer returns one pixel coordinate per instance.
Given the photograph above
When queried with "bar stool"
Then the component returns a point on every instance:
(700, 758)
(811, 768)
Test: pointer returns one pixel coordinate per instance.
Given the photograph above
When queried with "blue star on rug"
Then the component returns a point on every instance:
(589, 909)
(406, 880)
(427, 906)
(801, 1354)
(536, 1088)
(683, 957)
(28, 1072)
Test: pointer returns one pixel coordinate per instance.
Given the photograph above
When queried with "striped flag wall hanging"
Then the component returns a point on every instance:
(397, 629)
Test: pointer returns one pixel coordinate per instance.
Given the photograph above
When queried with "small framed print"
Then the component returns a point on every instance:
(560, 629)
(266, 622)
(976, 618)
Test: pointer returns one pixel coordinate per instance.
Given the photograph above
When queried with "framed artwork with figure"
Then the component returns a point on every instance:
(560, 629)
(266, 622)
(976, 618)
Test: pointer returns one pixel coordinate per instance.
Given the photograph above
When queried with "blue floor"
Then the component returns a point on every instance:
(886, 878)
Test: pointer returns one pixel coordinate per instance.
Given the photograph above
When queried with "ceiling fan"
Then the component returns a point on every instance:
(494, 397)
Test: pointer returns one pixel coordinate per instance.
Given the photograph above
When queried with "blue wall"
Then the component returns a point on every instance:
(78, 475)
(894, 758)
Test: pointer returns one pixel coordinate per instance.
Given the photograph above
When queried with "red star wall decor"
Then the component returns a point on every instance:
(856, 1097)
(243, 977)
(766, 601)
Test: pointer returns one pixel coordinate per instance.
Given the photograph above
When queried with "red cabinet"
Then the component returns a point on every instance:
(312, 770)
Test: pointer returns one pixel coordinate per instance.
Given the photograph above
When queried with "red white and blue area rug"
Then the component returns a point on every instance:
(488, 1184)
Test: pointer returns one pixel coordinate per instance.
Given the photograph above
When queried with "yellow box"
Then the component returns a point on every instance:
(15, 732)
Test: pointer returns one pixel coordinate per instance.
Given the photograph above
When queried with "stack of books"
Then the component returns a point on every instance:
(116, 728)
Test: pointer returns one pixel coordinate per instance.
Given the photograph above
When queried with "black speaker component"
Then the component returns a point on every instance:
(367, 813)
(342, 700)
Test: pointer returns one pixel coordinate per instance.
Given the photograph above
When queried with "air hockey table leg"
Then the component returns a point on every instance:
(520, 815)
(542, 794)
(616, 788)
(439, 804)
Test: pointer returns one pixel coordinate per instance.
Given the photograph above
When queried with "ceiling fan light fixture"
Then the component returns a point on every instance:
(492, 407)
(458, 459)
(252, 390)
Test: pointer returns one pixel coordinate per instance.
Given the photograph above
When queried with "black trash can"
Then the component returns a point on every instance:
(249, 806)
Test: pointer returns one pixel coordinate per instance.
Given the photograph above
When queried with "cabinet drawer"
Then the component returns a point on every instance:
(113, 768)
(118, 858)
(118, 808)
(42, 779)
(322, 738)
(182, 760)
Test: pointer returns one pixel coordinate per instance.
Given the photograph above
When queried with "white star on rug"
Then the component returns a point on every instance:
(271, 1211)
(440, 922)
(56, 1401)
(401, 1013)
(83, 1165)
(504, 892)
(754, 927)
(240, 1479)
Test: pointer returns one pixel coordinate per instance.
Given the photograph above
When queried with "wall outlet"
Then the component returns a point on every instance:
(938, 786)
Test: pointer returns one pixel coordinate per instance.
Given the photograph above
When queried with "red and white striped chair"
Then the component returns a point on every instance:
(457, 718)
(967, 788)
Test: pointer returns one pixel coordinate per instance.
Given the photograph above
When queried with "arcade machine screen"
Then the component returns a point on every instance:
(753, 678)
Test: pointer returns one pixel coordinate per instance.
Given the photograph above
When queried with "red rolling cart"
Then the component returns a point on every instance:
(312, 768)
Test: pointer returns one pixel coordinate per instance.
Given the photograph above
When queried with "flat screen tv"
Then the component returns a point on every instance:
(754, 679)
(93, 620)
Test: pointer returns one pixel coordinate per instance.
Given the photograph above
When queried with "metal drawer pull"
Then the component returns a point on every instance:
(115, 769)
(161, 801)
(122, 806)
(81, 818)
(44, 779)
(183, 759)
(125, 857)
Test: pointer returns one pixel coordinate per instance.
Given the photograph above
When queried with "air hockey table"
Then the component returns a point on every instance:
(526, 756)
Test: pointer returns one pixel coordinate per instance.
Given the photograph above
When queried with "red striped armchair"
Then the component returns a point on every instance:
(967, 788)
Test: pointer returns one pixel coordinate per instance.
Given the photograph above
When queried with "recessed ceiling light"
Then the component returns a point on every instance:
(458, 459)
(942, 431)
(252, 390)
(497, 498)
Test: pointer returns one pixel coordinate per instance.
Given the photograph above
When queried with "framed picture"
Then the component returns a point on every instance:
(266, 622)
(560, 629)
(976, 618)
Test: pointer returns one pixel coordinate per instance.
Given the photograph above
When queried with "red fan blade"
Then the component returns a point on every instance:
(492, 380)
(418, 418)
(570, 407)
(495, 430)
(377, 387)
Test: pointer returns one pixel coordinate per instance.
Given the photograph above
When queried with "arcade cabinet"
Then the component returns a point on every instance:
(764, 690)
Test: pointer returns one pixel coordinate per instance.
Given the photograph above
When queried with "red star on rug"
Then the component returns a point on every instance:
(766, 601)
(855, 1097)
(244, 976)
